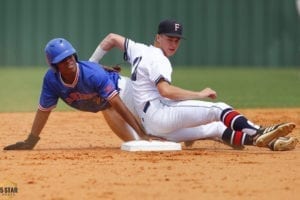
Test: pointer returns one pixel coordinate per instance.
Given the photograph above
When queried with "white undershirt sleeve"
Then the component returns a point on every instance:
(97, 55)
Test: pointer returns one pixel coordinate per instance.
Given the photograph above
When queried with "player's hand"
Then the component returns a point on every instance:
(208, 93)
(28, 144)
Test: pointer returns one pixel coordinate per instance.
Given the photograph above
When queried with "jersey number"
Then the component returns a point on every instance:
(136, 63)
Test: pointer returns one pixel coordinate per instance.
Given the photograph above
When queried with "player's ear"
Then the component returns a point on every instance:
(157, 38)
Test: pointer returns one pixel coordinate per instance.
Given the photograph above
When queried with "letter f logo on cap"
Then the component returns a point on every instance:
(177, 26)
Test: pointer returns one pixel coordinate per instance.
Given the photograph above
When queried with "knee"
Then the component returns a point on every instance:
(223, 106)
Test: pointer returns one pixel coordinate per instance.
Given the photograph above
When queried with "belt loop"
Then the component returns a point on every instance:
(147, 104)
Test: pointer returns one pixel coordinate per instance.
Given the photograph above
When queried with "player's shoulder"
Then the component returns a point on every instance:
(50, 74)
(91, 70)
(132, 45)
(148, 52)
(91, 67)
(51, 77)
(89, 64)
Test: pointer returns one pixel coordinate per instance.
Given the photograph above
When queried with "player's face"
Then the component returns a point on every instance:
(168, 44)
(67, 65)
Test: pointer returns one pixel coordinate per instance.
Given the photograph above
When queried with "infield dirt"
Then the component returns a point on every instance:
(79, 157)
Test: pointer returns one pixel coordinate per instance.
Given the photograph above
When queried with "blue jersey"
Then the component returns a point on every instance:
(90, 91)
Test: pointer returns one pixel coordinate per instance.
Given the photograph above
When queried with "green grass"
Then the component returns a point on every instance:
(238, 87)
(20, 89)
(245, 87)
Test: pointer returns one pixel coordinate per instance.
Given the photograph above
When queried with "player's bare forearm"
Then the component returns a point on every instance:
(39, 122)
(112, 40)
(177, 93)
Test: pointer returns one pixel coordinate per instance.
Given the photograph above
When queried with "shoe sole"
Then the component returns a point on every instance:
(281, 131)
(286, 145)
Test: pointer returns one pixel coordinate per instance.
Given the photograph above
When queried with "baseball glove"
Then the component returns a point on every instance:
(116, 68)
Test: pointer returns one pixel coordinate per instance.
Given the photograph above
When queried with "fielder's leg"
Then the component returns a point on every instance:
(261, 136)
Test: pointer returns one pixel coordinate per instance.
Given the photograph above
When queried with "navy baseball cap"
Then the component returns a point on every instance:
(170, 28)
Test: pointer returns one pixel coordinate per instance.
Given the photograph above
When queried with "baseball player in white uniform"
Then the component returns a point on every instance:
(181, 115)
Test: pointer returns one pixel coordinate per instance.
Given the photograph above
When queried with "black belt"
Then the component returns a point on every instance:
(146, 106)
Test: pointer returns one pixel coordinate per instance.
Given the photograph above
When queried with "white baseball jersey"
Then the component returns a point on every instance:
(174, 120)
(144, 59)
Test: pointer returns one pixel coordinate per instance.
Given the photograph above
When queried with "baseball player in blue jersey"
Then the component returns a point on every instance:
(181, 115)
(85, 86)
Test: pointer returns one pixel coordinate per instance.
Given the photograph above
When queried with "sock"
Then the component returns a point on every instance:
(236, 138)
(235, 121)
